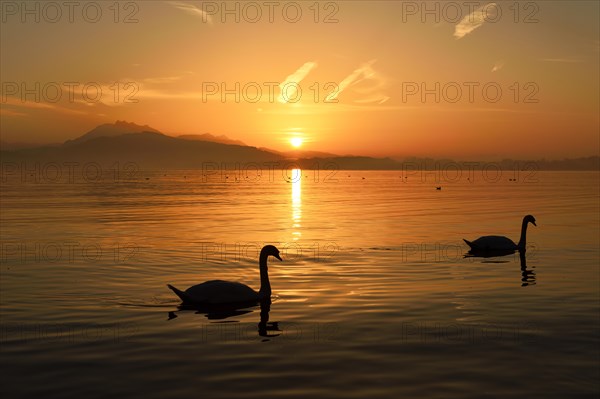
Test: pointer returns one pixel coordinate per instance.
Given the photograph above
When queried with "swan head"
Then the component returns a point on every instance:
(529, 219)
(269, 250)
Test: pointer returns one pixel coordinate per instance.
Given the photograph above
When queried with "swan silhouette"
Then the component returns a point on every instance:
(501, 243)
(227, 292)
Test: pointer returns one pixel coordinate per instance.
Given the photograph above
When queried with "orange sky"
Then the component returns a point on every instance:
(502, 81)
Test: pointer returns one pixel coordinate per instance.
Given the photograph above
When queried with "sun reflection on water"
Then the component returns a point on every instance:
(296, 203)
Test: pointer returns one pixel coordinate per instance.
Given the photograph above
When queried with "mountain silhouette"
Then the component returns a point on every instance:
(111, 130)
(149, 150)
(210, 137)
(124, 142)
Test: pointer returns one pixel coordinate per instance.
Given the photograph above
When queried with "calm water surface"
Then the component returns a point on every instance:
(374, 297)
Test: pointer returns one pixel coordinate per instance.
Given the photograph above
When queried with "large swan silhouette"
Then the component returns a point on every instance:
(227, 292)
(501, 243)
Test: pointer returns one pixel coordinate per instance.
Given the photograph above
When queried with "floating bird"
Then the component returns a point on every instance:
(227, 292)
(501, 243)
(438, 188)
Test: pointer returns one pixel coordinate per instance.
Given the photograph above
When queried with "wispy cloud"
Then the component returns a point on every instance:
(316, 109)
(288, 86)
(161, 80)
(192, 10)
(15, 102)
(129, 91)
(563, 60)
(356, 76)
(498, 66)
(474, 20)
(362, 73)
(171, 95)
(377, 99)
(10, 112)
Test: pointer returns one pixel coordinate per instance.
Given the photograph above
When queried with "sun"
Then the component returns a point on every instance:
(296, 142)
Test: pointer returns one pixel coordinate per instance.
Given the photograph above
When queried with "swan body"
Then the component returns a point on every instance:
(217, 291)
(501, 243)
(223, 292)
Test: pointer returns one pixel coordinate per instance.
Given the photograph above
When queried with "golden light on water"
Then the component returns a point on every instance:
(296, 180)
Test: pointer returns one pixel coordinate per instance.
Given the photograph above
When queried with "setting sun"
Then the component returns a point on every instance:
(296, 142)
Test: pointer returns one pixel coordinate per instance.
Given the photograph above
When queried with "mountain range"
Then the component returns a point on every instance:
(152, 150)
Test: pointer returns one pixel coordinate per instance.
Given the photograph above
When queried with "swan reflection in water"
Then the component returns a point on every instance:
(223, 311)
(527, 275)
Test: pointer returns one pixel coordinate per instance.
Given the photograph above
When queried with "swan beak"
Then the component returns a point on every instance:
(534, 223)
(278, 257)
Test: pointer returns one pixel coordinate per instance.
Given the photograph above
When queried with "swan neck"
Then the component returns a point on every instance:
(523, 240)
(265, 285)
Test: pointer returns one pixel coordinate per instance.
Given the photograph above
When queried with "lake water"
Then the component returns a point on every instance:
(373, 299)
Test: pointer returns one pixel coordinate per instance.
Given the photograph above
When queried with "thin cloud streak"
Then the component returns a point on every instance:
(473, 21)
(315, 109)
(563, 60)
(364, 72)
(288, 86)
(13, 101)
(498, 66)
(163, 80)
(10, 112)
(192, 10)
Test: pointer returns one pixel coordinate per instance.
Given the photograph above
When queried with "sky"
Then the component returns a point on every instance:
(466, 80)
